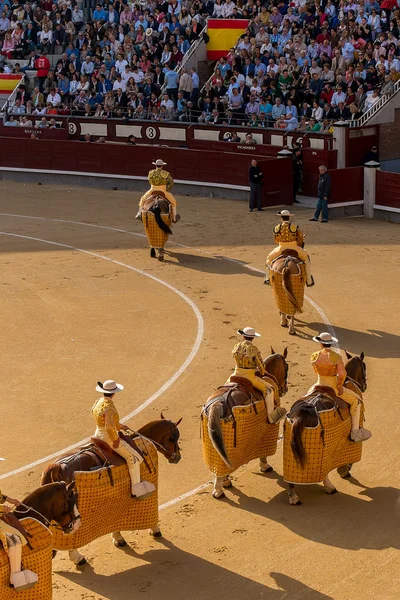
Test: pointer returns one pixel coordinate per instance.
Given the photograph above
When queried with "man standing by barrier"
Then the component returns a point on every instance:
(324, 191)
(255, 177)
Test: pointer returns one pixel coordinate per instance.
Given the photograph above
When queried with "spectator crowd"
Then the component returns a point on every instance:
(300, 65)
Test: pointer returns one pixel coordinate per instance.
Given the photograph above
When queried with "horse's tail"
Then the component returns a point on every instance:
(287, 286)
(157, 215)
(296, 443)
(52, 474)
(215, 432)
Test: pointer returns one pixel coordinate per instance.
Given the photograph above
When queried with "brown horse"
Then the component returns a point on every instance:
(163, 433)
(156, 217)
(222, 401)
(304, 413)
(287, 276)
(52, 503)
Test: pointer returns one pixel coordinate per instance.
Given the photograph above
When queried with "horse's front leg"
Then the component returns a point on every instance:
(292, 330)
(218, 491)
(77, 558)
(328, 485)
(264, 466)
(227, 482)
(344, 472)
(118, 540)
(284, 322)
(294, 500)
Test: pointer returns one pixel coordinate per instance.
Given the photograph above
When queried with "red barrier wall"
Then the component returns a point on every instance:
(347, 185)
(312, 160)
(359, 142)
(388, 189)
(121, 159)
(26, 132)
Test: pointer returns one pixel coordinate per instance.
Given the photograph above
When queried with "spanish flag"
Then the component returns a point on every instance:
(223, 35)
(8, 83)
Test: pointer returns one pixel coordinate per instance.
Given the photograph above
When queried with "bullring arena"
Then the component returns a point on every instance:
(83, 301)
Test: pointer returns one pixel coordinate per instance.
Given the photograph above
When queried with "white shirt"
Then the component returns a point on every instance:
(120, 66)
(119, 84)
(54, 100)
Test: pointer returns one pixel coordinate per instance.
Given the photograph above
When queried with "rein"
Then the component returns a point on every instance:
(45, 520)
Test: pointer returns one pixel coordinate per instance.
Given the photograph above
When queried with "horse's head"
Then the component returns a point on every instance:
(165, 435)
(277, 367)
(56, 502)
(356, 370)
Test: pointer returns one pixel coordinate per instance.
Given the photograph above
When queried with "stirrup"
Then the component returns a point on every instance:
(266, 281)
(277, 415)
(139, 216)
(143, 490)
(312, 282)
(23, 580)
(360, 435)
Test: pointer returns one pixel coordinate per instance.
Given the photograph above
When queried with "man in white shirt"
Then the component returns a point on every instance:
(87, 67)
(167, 102)
(227, 9)
(120, 64)
(338, 96)
(54, 98)
(127, 74)
(119, 83)
(138, 75)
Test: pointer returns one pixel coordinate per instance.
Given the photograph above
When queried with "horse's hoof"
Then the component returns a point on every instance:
(157, 534)
(152, 253)
(295, 502)
(54, 553)
(82, 562)
(267, 469)
(284, 324)
(161, 258)
(227, 484)
(292, 333)
(330, 492)
(218, 495)
(120, 543)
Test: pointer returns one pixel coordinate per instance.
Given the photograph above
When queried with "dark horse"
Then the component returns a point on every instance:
(163, 433)
(52, 503)
(304, 414)
(158, 205)
(241, 394)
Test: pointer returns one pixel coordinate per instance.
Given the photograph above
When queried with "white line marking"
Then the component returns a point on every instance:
(249, 267)
(171, 380)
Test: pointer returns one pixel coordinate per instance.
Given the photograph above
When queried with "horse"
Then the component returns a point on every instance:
(163, 433)
(157, 219)
(52, 503)
(219, 406)
(305, 413)
(288, 279)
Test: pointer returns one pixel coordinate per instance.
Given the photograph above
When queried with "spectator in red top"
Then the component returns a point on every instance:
(42, 65)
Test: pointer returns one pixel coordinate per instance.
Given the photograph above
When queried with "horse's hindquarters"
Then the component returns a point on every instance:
(324, 452)
(284, 304)
(156, 236)
(255, 437)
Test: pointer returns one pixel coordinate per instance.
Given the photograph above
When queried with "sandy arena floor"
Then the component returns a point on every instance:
(70, 318)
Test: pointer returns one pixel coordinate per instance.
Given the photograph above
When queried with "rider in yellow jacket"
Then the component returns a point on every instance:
(331, 372)
(249, 360)
(160, 180)
(288, 235)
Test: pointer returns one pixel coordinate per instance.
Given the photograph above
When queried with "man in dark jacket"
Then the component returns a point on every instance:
(255, 177)
(324, 191)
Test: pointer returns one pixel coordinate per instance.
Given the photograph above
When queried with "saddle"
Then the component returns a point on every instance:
(239, 392)
(287, 259)
(319, 394)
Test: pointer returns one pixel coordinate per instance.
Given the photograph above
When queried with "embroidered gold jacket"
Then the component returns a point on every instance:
(106, 415)
(288, 232)
(329, 364)
(161, 177)
(248, 356)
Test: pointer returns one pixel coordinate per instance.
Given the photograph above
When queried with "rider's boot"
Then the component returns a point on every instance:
(19, 579)
(274, 414)
(139, 489)
(139, 215)
(310, 279)
(358, 434)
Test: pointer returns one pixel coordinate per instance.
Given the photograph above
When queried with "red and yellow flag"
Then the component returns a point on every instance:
(223, 34)
(8, 83)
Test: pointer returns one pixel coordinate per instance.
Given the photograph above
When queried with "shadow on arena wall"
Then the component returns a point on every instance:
(174, 573)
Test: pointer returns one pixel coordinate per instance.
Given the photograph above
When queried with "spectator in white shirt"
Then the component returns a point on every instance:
(87, 66)
(227, 9)
(119, 83)
(338, 96)
(121, 64)
(53, 98)
(317, 112)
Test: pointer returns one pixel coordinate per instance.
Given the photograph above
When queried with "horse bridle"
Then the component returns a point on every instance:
(282, 389)
(173, 439)
(362, 384)
(69, 505)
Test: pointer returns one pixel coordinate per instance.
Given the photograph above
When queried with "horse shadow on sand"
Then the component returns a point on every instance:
(368, 521)
(373, 342)
(173, 573)
(210, 263)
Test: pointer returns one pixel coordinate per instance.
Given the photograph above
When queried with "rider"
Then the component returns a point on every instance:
(160, 180)
(329, 366)
(13, 541)
(288, 235)
(249, 360)
(107, 427)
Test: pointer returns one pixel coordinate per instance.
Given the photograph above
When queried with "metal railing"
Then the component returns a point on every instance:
(188, 55)
(11, 99)
(371, 112)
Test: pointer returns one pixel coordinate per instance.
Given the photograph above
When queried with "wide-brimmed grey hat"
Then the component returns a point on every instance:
(284, 213)
(325, 338)
(109, 387)
(159, 162)
(248, 332)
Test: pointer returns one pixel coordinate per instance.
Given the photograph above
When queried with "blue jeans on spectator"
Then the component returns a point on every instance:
(322, 205)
